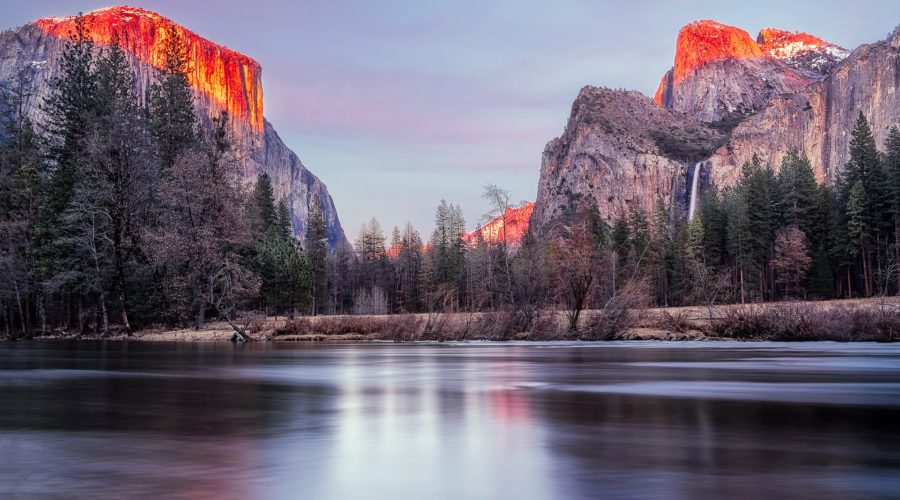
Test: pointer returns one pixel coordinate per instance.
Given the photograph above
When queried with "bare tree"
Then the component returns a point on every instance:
(791, 259)
(498, 200)
(573, 269)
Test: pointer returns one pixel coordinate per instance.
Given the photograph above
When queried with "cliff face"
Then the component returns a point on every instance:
(618, 151)
(221, 75)
(721, 72)
(818, 120)
(222, 79)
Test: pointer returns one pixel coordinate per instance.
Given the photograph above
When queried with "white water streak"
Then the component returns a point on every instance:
(692, 207)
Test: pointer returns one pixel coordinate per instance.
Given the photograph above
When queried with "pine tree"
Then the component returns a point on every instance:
(826, 240)
(262, 206)
(449, 250)
(71, 109)
(739, 238)
(759, 188)
(283, 222)
(797, 191)
(316, 245)
(658, 258)
(865, 218)
(639, 230)
(621, 248)
(863, 156)
(172, 116)
(858, 229)
(286, 279)
(714, 228)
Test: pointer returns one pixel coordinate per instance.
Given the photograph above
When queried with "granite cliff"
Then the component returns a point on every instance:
(222, 79)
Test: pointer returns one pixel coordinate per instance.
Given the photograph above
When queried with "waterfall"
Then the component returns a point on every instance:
(692, 206)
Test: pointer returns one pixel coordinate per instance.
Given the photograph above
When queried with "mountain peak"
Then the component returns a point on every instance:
(705, 41)
(800, 49)
(229, 78)
(720, 71)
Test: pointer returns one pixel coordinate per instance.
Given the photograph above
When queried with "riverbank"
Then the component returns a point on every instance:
(874, 319)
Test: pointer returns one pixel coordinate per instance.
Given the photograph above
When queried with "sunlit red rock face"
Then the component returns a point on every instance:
(702, 42)
(720, 71)
(228, 78)
(516, 221)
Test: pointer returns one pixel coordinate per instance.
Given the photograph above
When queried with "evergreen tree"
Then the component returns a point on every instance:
(316, 245)
(283, 222)
(286, 281)
(759, 187)
(863, 157)
(825, 240)
(865, 218)
(658, 257)
(739, 238)
(621, 248)
(172, 116)
(639, 230)
(797, 191)
(448, 252)
(715, 229)
(71, 109)
(858, 229)
(262, 207)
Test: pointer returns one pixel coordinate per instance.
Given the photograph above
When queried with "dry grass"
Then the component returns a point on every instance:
(842, 320)
(795, 322)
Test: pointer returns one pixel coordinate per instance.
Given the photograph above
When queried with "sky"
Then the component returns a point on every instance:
(396, 105)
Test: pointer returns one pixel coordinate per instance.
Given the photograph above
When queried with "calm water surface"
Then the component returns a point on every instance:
(450, 421)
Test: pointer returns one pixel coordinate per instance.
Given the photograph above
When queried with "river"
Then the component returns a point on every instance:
(449, 421)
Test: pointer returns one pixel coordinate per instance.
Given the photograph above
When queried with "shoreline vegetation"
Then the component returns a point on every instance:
(848, 320)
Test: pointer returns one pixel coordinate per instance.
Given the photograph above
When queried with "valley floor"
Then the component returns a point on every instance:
(872, 319)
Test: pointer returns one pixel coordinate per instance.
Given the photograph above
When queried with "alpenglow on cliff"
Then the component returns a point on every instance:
(222, 80)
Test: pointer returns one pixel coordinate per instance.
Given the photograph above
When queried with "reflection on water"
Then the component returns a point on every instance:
(431, 421)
